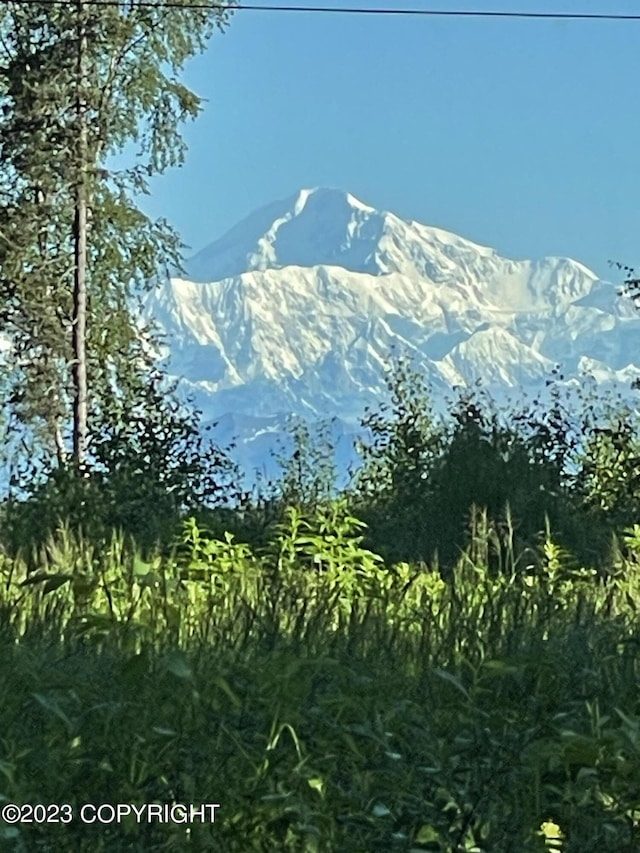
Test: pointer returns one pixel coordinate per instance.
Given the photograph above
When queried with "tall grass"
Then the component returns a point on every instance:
(327, 701)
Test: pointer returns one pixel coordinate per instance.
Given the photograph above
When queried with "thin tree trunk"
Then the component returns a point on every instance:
(61, 451)
(80, 258)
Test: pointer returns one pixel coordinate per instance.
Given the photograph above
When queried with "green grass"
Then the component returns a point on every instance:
(328, 702)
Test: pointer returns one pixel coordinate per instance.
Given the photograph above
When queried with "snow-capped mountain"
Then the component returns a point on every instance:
(299, 308)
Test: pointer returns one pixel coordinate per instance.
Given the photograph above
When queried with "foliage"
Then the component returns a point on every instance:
(307, 482)
(308, 472)
(147, 463)
(126, 90)
(572, 462)
(609, 478)
(150, 465)
(324, 700)
(391, 488)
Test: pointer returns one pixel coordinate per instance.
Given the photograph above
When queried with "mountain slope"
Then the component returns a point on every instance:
(299, 308)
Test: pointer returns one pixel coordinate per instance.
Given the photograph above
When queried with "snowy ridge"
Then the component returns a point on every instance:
(299, 308)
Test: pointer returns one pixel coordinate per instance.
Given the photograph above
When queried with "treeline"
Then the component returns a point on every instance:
(566, 467)
(94, 435)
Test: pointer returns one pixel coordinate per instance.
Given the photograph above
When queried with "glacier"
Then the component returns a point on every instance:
(298, 310)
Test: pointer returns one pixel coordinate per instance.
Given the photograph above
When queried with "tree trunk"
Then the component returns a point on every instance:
(80, 260)
(61, 451)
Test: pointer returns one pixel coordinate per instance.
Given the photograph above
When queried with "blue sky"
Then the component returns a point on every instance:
(519, 134)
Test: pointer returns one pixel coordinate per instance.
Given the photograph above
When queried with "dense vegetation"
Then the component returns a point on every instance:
(330, 699)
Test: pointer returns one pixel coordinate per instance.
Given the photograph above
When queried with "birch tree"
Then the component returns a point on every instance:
(79, 83)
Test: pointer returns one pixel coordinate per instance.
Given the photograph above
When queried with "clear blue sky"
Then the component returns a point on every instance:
(522, 135)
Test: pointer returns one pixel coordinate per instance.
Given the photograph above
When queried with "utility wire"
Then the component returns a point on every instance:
(344, 10)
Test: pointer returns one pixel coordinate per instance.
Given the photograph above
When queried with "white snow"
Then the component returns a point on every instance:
(301, 306)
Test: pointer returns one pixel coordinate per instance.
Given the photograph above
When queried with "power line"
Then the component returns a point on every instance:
(353, 10)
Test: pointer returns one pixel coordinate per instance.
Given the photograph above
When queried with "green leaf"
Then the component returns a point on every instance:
(50, 581)
(427, 834)
(6, 768)
(141, 567)
(453, 680)
(176, 664)
(53, 707)
(223, 684)
(316, 783)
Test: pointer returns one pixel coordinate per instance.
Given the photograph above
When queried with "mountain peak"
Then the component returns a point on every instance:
(317, 226)
(299, 308)
(328, 197)
(328, 227)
